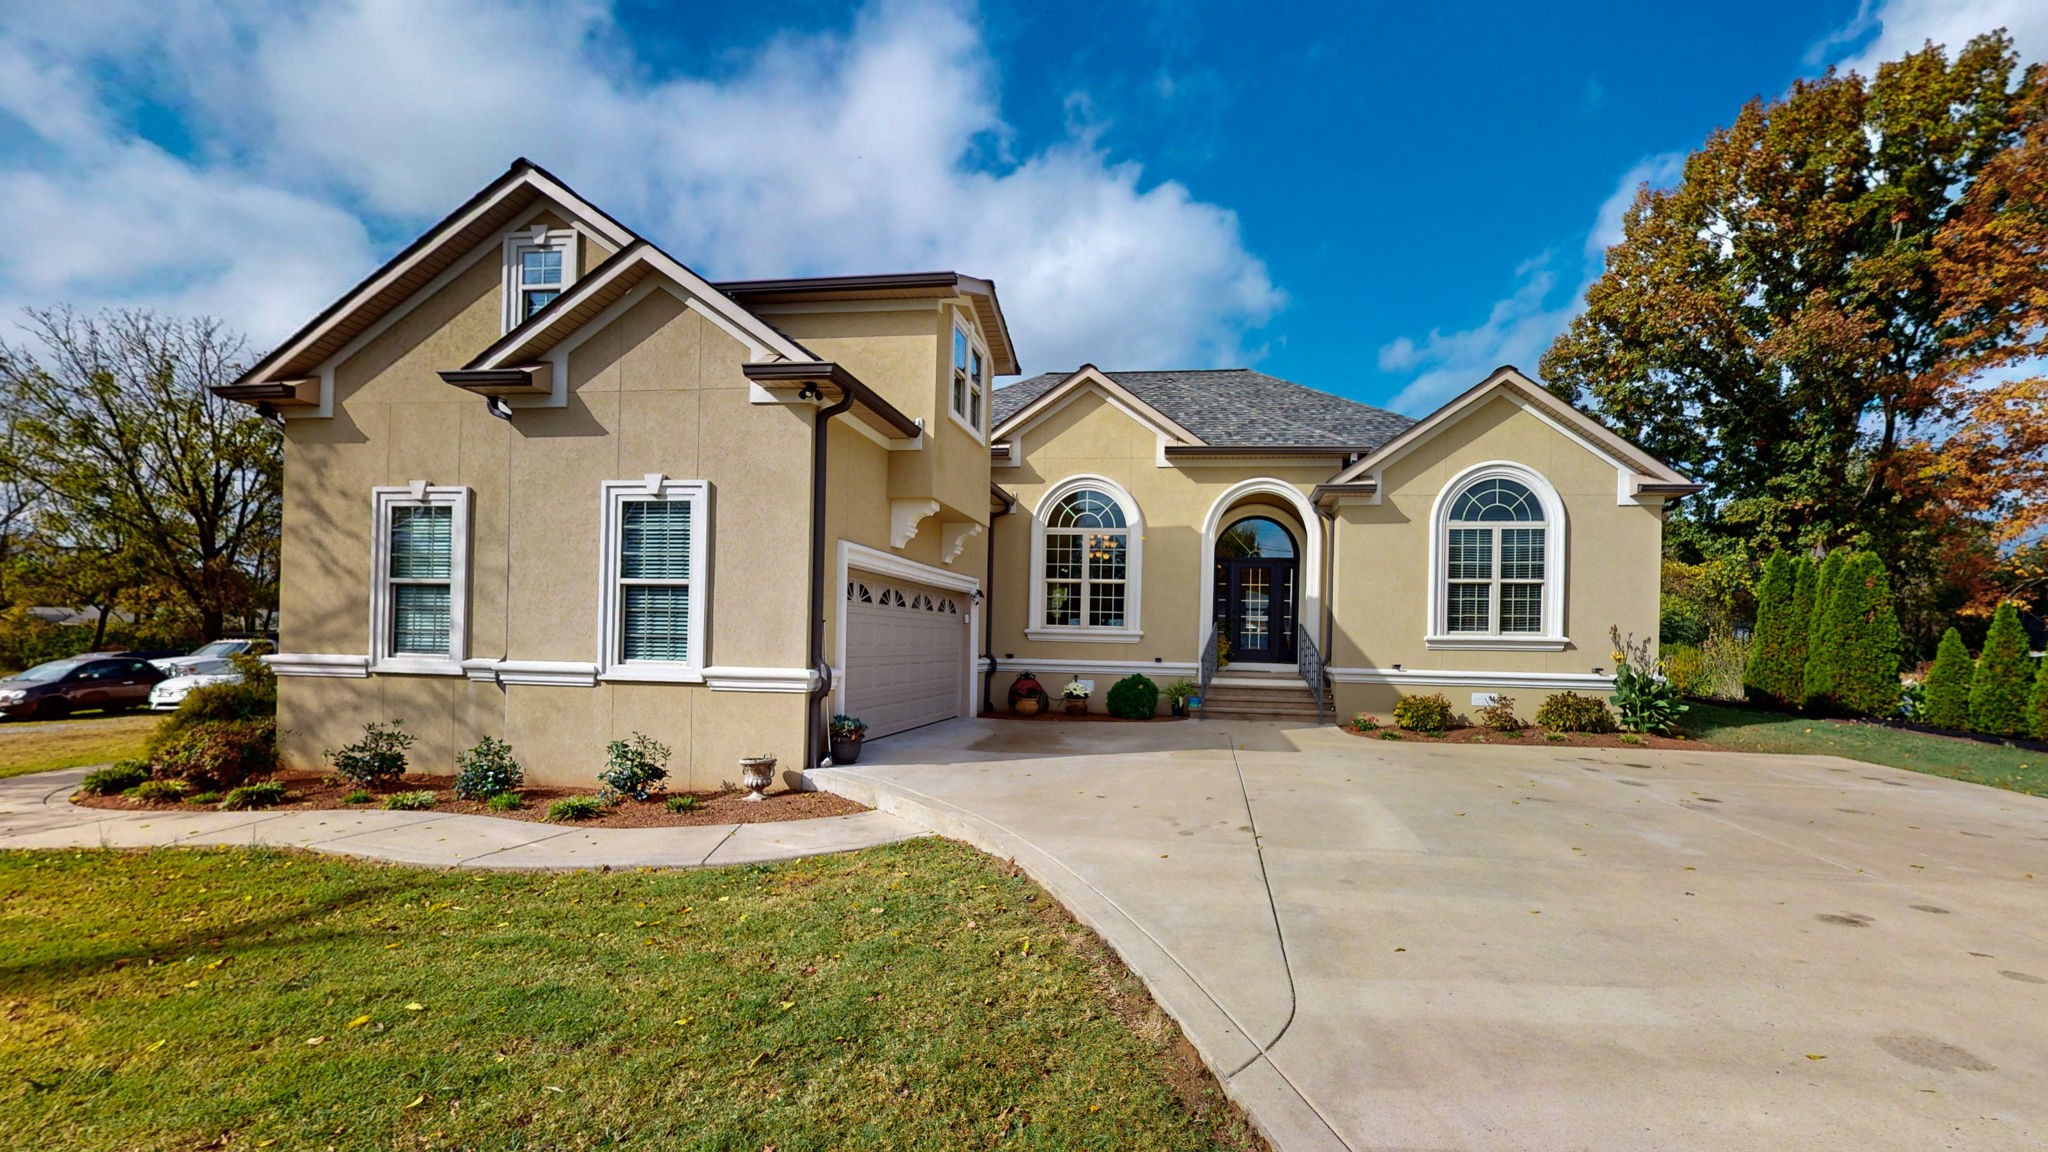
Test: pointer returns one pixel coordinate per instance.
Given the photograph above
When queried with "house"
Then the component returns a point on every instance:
(544, 482)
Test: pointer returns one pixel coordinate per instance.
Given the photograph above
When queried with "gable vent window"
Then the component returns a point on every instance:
(540, 264)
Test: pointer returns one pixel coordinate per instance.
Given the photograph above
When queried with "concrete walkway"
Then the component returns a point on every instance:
(1380, 945)
(35, 813)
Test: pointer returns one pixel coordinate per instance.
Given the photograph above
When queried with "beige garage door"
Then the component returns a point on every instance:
(906, 653)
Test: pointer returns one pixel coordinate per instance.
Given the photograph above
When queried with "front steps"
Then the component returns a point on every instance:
(1281, 696)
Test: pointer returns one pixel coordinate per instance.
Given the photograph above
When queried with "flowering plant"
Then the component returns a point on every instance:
(1075, 690)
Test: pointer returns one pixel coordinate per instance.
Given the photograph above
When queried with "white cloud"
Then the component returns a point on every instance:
(1888, 29)
(882, 149)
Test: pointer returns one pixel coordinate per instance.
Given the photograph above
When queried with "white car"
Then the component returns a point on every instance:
(168, 694)
(219, 650)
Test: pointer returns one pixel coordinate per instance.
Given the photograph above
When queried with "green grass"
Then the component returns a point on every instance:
(917, 995)
(1999, 765)
(74, 742)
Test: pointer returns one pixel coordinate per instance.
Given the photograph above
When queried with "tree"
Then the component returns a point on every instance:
(2037, 702)
(1866, 639)
(1772, 677)
(1998, 693)
(1774, 324)
(1799, 634)
(1823, 636)
(1946, 703)
(113, 418)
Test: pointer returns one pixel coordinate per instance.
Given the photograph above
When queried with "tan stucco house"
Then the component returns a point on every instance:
(544, 482)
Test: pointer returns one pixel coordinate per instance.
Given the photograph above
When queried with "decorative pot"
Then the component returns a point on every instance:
(1025, 706)
(756, 773)
(845, 751)
(1180, 707)
(1077, 707)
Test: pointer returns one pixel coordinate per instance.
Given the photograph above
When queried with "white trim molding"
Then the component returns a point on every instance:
(318, 664)
(1154, 670)
(613, 496)
(738, 679)
(905, 516)
(1435, 678)
(1308, 561)
(1555, 554)
(550, 673)
(1133, 629)
(859, 557)
(383, 502)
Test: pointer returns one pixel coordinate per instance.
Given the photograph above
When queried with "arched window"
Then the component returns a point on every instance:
(1087, 563)
(1497, 559)
(1256, 538)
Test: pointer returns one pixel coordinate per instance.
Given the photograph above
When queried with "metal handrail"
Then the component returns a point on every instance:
(1209, 660)
(1308, 661)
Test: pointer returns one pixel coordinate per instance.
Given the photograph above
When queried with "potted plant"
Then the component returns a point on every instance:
(1179, 693)
(846, 736)
(756, 773)
(1076, 695)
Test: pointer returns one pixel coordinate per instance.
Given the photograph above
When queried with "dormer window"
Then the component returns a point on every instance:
(539, 266)
(970, 380)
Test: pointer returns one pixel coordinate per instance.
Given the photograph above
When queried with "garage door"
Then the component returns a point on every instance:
(906, 653)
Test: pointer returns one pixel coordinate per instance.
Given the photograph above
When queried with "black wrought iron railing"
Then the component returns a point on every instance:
(1308, 661)
(1209, 661)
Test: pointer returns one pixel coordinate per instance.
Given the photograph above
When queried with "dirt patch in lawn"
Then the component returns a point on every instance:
(313, 790)
(1533, 736)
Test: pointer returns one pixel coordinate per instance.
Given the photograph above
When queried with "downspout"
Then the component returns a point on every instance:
(988, 610)
(820, 439)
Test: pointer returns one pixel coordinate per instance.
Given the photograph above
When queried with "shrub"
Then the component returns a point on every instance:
(204, 799)
(1912, 700)
(159, 791)
(409, 801)
(1390, 734)
(1365, 722)
(357, 797)
(219, 754)
(1866, 637)
(253, 698)
(486, 770)
(1571, 712)
(1500, 715)
(1998, 690)
(682, 803)
(1556, 737)
(1647, 701)
(1713, 671)
(1630, 738)
(574, 808)
(632, 768)
(1822, 637)
(1182, 689)
(377, 759)
(2037, 702)
(1770, 675)
(1430, 713)
(268, 794)
(1945, 695)
(114, 779)
(1135, 697)
(505, 802)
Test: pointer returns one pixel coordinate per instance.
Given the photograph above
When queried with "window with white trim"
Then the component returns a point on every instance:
(1087, 554)
(970, 379)
(1496, 574)
(539, 266)
(419, 600)
(652, 600)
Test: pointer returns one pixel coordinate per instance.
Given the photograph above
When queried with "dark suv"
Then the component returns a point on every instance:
(112, 683)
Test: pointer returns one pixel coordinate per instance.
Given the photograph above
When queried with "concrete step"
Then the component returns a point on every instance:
(1305, 712)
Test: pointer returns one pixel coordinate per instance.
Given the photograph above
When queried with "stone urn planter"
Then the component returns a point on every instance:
(1025, 706)
(756, 773)
(1077, 707)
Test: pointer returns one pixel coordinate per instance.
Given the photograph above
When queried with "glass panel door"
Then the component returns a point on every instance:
(1254, 617)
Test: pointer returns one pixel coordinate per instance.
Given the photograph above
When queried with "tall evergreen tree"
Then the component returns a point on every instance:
(1799, 638)
(1998, 694)
(2037, 702)
(1947, 700)
(1822, 649)
(1770, 677)
(1866, 631)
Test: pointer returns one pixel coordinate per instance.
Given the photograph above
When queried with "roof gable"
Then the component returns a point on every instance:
(1230, 408)
(1041, 401)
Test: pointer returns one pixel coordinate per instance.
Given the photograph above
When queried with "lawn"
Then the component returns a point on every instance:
(918, 995)
(1999, 765)
(43, 745)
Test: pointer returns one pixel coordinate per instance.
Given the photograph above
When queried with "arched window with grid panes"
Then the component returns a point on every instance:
(1497, 572)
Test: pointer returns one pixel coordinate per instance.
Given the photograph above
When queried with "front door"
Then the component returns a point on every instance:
(1257, 609)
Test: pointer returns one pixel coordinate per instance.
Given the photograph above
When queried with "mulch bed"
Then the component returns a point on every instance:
(317, 791)
(1534, 737)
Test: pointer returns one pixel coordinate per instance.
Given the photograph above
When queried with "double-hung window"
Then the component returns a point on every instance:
(539, 266)
(1496, 573)
(653, 602)
(421, 558)
(970, 380)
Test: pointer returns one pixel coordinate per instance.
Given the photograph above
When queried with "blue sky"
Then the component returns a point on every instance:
(1383, 201)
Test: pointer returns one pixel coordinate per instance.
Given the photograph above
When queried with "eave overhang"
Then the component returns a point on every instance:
(787, 377)
(890, 286)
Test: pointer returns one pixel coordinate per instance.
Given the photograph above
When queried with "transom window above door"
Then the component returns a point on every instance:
(1256, 538)
(1086, 546)
(1496, 560)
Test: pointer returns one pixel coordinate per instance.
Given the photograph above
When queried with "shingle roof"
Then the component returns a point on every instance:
(1236, 407)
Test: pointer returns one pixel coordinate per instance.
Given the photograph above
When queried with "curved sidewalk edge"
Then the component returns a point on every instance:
(35, 812)
(1275, 1106)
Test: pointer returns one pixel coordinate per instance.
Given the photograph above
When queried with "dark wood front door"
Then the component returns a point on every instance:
(1255, 609)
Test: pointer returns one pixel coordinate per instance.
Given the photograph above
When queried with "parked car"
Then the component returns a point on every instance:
(218, 650)
(168, 694)
(78, 683)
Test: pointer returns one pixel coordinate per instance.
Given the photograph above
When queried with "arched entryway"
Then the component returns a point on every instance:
(1257, 583)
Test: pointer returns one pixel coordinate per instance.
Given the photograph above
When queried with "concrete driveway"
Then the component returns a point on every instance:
(1380, 945)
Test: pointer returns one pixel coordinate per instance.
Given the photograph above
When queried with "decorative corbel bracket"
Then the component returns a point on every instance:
(953, 538)
(905, 516)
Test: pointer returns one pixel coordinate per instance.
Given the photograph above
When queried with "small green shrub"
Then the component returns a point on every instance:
(1945, 694)
(268, 794)
(1430, 713)
(1182, 689)
(114, 779)
(409, 801)
(1571, 712)
(1912, 700)
(159, 791)
(631, 768)
(1630, 738)
(1999, 688)
(1390, 734)
(1556, 737)
(204, 799)
(487, 770)
(1365, 722)
(572, 808)
(378, 759)
(1135, 697)
(254, 697)
(357, 797)
(1647, 701)
(2037, 701)
(1500, 715)
(218, 754)
(682, 804)
(505, 802)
